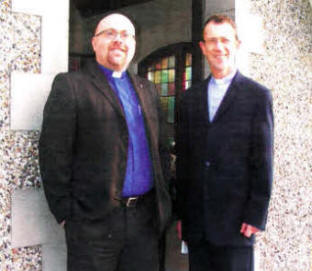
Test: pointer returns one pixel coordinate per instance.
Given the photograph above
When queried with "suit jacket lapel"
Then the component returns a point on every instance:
(203, 101)
(103, 86)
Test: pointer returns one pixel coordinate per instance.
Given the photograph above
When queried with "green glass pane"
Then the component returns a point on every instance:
(171, 62)
(150, 76)
(188, 60)
(157, 77)
(171, 90)
(164, 63)
(171, 75)
(164, 89)
(164, 76)
(171, 102)
(188, 75)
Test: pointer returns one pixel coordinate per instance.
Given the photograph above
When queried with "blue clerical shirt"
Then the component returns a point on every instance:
(139, 176)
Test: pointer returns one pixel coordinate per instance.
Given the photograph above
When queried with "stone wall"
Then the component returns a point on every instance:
(20, 51)
(284, 64)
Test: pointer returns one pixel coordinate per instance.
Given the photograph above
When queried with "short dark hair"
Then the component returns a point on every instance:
(220, 19)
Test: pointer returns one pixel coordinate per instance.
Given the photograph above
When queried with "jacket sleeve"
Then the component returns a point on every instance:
(56, 146)
(261, 163)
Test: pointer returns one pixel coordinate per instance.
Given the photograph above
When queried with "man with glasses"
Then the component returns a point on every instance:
(103, 160)
(224, 157)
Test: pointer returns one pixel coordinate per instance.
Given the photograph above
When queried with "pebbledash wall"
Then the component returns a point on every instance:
(34, 47)
(277, 43)
(284, 64)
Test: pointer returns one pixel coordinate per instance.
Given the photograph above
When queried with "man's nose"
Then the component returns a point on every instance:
(219, 44)
(118, 37)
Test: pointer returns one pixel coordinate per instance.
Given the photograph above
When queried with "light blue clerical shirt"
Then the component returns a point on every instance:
(217, 89)
(139, 176)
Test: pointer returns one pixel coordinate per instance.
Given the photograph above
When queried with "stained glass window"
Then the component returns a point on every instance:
(170, 69)
(162, 74)
(187, 74)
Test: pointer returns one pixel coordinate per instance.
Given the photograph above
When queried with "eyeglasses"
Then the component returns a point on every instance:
(222, 40)
(112, 34)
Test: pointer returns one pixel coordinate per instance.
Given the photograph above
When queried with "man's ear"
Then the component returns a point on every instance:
(202, 47)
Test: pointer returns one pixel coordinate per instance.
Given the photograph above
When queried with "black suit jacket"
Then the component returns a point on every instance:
(84, 142)
(224, 167)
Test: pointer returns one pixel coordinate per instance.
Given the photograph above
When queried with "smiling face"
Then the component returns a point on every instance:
(220, 47)
(114, 42)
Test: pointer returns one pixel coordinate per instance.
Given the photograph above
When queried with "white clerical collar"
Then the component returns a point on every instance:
(225, 80)
(116, 74)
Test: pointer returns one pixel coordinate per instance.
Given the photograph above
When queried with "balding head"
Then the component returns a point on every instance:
(117, 20)
(114, 42)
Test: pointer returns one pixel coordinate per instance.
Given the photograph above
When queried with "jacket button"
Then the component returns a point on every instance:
(207, 164)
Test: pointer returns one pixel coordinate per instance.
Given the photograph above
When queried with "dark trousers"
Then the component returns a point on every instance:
(204, 256)
(126, 240)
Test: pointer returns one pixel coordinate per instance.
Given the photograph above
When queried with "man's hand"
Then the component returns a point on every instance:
(62, 224)
(248, 230)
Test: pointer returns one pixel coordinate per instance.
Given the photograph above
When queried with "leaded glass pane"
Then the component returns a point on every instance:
(164, 76)
(171, 89)
(164, 89)
(158, 77)
(188, 84)
(150, 76)
(171, 75)
(158, 65)
(171, 62)
(188, 60)
(164, 63)
(188, 75)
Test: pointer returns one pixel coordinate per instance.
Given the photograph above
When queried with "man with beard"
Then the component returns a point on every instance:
(103, 162)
